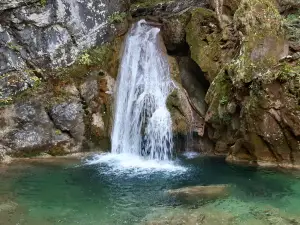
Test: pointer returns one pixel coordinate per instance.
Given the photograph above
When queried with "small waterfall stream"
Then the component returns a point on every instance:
(142, 122)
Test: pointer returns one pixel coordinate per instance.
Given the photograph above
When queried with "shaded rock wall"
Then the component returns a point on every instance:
(250, 97)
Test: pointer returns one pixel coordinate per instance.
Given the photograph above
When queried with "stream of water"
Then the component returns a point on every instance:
(142, 122)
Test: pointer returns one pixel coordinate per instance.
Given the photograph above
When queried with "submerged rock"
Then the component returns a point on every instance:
(198, 192)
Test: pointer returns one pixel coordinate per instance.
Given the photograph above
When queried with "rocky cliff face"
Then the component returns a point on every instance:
(47, 105)
(251, 59)
(247, 54)
(44, 34)
(235, 65)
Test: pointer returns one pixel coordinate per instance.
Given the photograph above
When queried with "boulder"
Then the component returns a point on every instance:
(68, 117)
(199, 192)
(27, 130)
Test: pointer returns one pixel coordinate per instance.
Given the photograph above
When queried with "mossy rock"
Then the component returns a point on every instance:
(179, 121)
(211, 47)
(218, 96)
(203, 37)
(264, 42)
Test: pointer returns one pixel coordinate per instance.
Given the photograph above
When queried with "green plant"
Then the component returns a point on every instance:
(117, 17)
(58, 132)
(13, 47)
(5, 101)
(85, 59)
(43, 2)
(37, 81)
(224, 100)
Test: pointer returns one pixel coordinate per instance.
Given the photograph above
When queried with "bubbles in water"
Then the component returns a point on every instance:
(133, 165)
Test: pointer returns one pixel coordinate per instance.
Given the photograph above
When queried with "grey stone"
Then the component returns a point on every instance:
(8, 4)
(35, 36)
(27, 127)
(29, 137)
(31, 112)
(14, 82)
(89, 89)
(69, 117)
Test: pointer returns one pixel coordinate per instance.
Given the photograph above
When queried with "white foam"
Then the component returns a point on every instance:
(191, 155)
(142, 122)
(133, 164)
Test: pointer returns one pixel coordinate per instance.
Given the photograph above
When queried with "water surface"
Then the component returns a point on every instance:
(111, 191)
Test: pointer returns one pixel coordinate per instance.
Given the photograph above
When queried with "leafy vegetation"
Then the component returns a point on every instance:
(117, 17)
(43, 2)
(13, 46)
(85, 59)
(224, 100)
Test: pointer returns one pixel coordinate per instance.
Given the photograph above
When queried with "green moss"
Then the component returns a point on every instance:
(117, 17)
(205, 39)
(13, 46)
(57, 150)
(224, 100)
(5, 102)
(43, 2)
(58, 132)
(263, 43)
(218, 96)
(291, 24)
(104, 57)
(85, 59)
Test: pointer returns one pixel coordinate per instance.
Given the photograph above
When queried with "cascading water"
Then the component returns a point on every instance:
(142, 122)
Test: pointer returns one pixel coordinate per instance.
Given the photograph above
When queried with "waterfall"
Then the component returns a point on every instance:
(142, 122)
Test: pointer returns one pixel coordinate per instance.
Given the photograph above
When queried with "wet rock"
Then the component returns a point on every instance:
(68, 117)
(198, 192)
(178, 102)
(7, 4)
